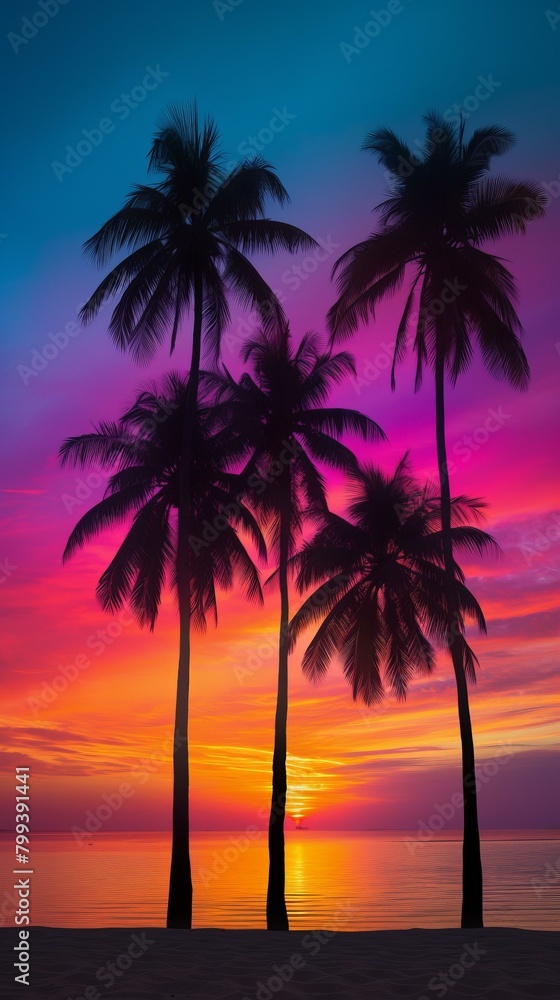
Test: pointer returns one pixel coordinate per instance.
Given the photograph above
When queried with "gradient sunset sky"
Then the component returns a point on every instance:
(350, 767)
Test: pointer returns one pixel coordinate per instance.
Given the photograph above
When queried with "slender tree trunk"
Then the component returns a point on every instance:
(471, 913)
(276, 912)
(179, 908)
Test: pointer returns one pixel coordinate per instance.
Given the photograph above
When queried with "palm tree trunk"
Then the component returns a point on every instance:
(276, 912)
(472, 912)
(179, 908)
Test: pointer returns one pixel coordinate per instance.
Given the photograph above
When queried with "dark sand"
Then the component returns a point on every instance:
(492, 964)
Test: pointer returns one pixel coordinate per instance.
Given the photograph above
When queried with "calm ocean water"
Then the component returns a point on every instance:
(383, 879)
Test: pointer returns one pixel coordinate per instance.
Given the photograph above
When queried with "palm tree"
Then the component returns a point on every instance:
(143, 450)
(278, 410)
(444, 206)
(187, 237)
(384, 568)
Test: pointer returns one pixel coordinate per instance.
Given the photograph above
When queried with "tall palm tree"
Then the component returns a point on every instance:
(188, 236)
(444, 206)
(278, 408)
(143, 451)
(384, 566)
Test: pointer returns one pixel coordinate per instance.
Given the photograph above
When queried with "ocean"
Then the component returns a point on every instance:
(362, 880)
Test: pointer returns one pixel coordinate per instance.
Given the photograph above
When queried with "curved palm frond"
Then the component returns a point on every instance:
(378, 583)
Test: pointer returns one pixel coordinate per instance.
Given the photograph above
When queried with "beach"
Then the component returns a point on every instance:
(208, 964)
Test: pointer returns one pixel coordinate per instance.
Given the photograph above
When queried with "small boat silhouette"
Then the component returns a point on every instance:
(299, 826)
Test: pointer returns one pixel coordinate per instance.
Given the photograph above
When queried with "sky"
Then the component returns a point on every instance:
(87, 700)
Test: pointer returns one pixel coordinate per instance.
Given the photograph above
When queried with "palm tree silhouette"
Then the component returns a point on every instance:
(278, 410)
(144, 452)
(384, 567)
(188, 236)
(443, 206)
